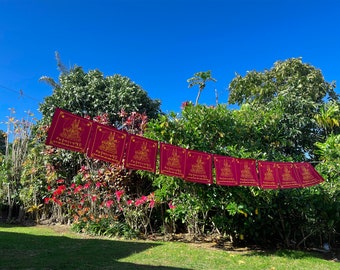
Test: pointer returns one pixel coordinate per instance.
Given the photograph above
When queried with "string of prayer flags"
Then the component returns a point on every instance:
(69, 131)
(198, 167)
(226, 172)
(107, 144)
(308, 175)
(247, 172)
(268, 174)
(172, 160)
(75, 133)
(287, 175)
(141, 153)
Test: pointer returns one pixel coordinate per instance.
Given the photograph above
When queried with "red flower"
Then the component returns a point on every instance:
(184, 104)
(47, 200)
(48, 188)
(152, 203)
(119, 194)
(94, 198)
(78, 188)
(60, 181)
(171, 206)
(98, 184)
(87, 185)
(109, 203)
(140, 201)
(129, 202)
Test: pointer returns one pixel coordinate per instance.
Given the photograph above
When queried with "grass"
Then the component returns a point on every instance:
(40, 247)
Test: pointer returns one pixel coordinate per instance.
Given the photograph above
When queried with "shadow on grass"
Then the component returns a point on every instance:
(28, 251)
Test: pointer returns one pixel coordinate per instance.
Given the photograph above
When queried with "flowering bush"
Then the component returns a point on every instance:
(102, 195)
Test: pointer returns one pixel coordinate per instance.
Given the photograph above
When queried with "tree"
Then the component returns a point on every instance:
(200, 79)
(288, 96)
(329, 117)
(93, 94)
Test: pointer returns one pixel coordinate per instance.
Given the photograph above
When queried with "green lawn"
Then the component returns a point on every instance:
(39, 247)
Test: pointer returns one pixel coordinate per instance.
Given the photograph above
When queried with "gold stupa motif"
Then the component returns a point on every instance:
(109, 145)
(245, 172)
(268, 175)
(306, 175)
(72, 132)
(174, 160)
(142, 154)
(286, 175)
(198, 167)
(226, 169)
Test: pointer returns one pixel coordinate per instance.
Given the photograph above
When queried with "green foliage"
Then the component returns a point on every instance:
(293, 92)
(276, 121)
(93, 94)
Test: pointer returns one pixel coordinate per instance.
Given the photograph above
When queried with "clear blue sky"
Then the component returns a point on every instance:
(159, 44)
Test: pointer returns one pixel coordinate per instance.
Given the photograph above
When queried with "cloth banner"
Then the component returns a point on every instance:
(268, 174)
(288, 177)
(107, 144)
(247, 172)
(69, 131)
(198, 167)
(141, 153)
(307, 174)
(226, 172)
(172, 160)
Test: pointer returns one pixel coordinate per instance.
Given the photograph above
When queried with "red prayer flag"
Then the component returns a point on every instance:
(172, 160)
(226, 172)
(247, 172)
(307, 174)
(69, 131)
(198, 167)
(287, 175)
(141, 153)
(107, 143)
(268, 174)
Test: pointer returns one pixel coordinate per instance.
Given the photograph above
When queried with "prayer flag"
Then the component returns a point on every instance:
(172, 160)
(198, 167)
(307, 174)
(107, 143)
(69, 131)
(247, 172)
(287, 175)
(226, 172)
(268, 174)
(141, 153)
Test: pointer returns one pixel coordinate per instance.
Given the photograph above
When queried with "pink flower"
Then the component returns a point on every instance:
(87, 185)
(139, 202)
(129, 202)
(73, 185)
(98, 184)
(60, 181)
(94, 198)
(78, 188)
(152, 203)
(119, 194)
(83, 168)
(171, 206)
(109, 203)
